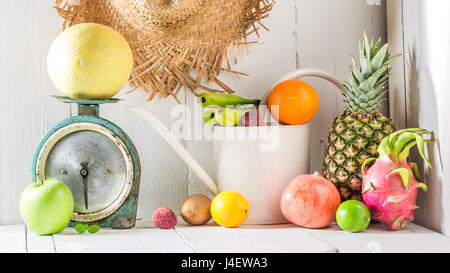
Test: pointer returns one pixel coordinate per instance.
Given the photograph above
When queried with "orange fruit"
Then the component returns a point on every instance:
(293, 102)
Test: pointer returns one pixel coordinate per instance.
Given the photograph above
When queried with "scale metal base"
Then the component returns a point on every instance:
(97, 160)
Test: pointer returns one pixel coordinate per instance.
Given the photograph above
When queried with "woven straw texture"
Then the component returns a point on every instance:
(175, 43)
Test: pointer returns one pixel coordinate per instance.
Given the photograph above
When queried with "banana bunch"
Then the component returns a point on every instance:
(228, 110)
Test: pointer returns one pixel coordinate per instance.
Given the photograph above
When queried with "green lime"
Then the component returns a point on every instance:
(353, 216)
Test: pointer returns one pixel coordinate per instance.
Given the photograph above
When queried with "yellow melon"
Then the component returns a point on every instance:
(89, 61)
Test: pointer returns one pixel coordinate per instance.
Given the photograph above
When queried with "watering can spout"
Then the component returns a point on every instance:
(178, 147)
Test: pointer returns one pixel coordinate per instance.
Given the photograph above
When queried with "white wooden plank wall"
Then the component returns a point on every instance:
(419, 30)
(304, 33)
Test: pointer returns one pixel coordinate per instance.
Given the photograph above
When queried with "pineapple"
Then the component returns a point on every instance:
(355, 136)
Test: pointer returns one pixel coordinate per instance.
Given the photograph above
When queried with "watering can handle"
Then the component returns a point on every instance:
(305, 72)
(178, 148)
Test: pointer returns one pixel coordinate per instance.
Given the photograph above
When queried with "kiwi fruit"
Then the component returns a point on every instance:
(195, 210)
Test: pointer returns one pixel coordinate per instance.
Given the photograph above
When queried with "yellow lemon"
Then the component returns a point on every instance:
(89, 61)
(229, 209)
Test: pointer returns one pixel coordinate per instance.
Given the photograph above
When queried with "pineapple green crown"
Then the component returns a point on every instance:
(366, 86)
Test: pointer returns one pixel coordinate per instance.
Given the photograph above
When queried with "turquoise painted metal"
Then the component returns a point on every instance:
(125, 216)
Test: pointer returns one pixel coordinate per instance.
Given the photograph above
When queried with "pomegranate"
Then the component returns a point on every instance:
(310, 201)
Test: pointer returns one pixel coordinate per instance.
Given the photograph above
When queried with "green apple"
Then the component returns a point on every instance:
(46, 207)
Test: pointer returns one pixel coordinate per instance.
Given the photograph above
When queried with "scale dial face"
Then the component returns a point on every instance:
(94, 163)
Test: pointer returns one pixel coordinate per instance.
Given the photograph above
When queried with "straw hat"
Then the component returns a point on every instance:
(175, 42)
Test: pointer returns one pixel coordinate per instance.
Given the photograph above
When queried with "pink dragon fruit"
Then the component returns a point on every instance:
(391, 185)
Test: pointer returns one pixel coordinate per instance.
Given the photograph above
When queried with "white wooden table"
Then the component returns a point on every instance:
(211, 238)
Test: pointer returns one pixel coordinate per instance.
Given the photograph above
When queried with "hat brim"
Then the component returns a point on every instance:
(183, 48)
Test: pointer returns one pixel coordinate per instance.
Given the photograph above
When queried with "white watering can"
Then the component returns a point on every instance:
(245, 166)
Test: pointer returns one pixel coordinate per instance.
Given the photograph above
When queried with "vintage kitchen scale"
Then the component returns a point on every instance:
(99, 163)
